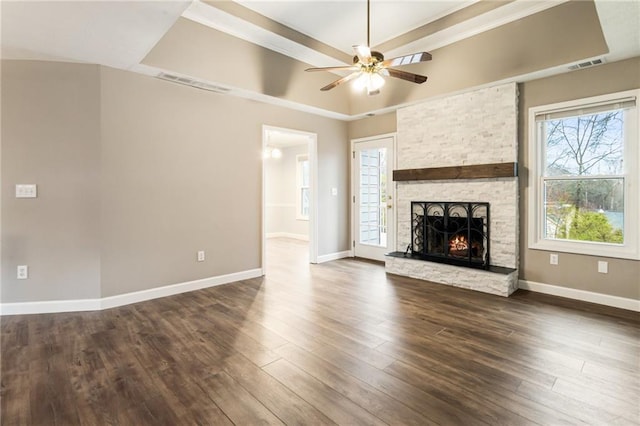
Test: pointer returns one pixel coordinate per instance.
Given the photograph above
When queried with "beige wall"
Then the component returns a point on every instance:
(51, 137)
(181, 173)
(373, 126)
(574, 271)
(136, 175)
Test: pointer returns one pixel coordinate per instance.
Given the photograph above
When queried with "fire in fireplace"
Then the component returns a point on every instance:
(451, 232)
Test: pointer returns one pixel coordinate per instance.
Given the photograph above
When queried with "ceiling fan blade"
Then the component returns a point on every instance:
(340, 81)
(414, 58)
(344, 68)
(408, 76)
(363, 53)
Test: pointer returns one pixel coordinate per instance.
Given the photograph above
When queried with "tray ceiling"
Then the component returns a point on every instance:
(125, 34)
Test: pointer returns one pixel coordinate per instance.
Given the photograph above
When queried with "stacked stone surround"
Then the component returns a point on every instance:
(472, 279)
(477, 127)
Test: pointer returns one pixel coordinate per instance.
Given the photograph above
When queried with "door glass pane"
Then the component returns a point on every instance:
(373, 197)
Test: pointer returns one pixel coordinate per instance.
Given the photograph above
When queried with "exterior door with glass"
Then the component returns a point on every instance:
(373, 198)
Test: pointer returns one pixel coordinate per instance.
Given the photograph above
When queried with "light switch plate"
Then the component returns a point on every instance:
(23, 272)
(26, 191)
(334, 191)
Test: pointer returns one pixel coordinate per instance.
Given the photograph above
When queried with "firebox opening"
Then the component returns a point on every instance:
(459, 246)
(451, 232)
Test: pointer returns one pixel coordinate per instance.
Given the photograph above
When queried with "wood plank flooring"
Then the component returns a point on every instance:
(337, 343)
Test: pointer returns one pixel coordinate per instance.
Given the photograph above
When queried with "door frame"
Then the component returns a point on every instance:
(352, 195)
(313, 193)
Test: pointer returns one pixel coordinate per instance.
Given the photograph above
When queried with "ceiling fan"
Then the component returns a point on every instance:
(369, 67)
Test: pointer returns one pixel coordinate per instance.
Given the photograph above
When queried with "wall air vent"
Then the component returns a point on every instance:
(187, 81)
(587, 64)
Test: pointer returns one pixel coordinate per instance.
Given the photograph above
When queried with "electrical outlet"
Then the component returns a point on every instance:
(201, 256)
(23, 272)
(553, 259)
(603, 267)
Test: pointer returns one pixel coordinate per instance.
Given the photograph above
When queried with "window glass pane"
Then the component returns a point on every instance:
(305, 173)
(304, 205)
(584, 210)
(584, 145)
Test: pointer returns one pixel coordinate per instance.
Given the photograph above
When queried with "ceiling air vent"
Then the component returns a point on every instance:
(187, 81)
(587, 64)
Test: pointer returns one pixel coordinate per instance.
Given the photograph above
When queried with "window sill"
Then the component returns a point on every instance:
(306, 219)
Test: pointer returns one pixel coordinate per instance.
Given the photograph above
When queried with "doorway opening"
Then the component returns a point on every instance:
(289, 197)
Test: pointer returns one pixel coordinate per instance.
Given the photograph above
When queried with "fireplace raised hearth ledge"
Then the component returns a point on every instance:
(496, 280)
(495, 269)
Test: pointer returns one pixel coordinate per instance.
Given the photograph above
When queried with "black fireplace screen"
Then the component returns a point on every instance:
(451, 232)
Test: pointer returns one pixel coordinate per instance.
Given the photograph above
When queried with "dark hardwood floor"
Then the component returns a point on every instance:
(337, 343)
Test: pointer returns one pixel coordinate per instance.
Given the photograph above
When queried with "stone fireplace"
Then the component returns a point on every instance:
(460, 151)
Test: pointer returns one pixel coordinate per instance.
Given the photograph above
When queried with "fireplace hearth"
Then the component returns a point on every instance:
(456, 233)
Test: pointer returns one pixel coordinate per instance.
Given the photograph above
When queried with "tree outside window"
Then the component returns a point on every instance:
(584, 177)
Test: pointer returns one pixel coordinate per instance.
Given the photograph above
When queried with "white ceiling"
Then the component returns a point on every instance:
(342, 24)
(118, 34)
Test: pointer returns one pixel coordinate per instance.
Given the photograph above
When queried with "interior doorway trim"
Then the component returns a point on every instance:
(313, 193)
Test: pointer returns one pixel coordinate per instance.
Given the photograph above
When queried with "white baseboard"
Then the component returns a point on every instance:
(585, 296)
(334, 256)
(54, 306)
(302, 237)
(50, 307)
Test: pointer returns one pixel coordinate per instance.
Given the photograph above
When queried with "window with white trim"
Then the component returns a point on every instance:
(584, 161)
(302, 187)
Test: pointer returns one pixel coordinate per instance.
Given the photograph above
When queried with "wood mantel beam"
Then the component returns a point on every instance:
(476, 171)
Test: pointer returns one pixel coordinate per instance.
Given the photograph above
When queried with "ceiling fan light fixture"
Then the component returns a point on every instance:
(375, 82)
(360, 82)
(372, 82)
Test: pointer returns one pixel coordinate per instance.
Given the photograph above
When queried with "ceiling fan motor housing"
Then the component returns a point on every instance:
(375, 58)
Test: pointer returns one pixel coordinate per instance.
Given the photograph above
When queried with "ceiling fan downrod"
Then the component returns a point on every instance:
(368, 23)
